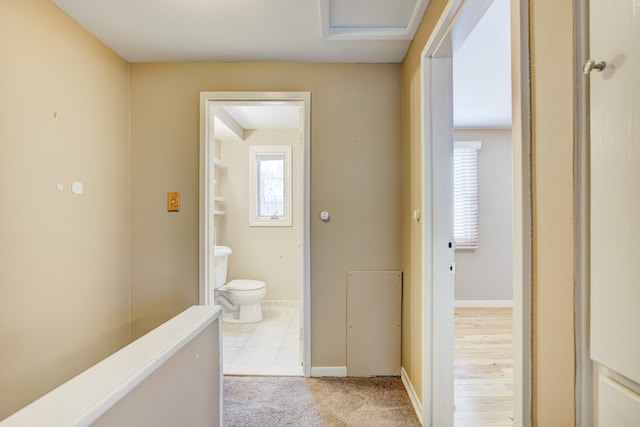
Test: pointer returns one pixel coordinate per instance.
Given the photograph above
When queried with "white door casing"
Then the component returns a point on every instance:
(208, 100)
(615, 209)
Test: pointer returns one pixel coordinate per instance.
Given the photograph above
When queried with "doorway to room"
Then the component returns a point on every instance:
(262, 137)
(457, 21)
(482, 104)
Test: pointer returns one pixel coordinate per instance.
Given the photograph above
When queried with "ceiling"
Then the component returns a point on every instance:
(482, 72)
(347, 31)
(266, 115)
(341, 31)
(232, 121)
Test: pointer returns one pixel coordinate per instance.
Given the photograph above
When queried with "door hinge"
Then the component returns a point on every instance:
(452, 268)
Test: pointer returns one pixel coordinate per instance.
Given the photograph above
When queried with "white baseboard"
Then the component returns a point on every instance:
(328, 371)
(413, 397)
(484, 303)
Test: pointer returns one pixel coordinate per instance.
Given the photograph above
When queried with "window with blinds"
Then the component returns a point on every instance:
(465, 194)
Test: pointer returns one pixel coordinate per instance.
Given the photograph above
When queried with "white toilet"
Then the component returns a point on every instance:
(241, 298)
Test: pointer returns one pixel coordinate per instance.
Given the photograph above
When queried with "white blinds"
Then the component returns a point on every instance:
(465, 193)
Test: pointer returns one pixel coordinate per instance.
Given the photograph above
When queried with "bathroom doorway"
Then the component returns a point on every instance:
(237, 129)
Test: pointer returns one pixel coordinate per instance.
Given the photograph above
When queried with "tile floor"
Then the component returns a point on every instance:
(270, 347)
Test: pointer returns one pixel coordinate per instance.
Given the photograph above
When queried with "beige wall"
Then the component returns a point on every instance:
(486, 273)
(64, 258)
(552, 157)
(355, 175)
(62, 253)
(270, 254)
(552, 148)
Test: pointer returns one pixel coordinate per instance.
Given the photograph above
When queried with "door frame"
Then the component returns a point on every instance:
(206, 273)
(437, 247)
(457, 20)
(581, 218)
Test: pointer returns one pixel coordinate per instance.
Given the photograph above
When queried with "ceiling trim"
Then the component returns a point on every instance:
(370, 33)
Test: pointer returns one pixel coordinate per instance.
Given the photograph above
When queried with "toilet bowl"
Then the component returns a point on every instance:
(240, 298)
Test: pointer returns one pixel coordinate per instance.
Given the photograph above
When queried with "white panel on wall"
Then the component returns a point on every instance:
(374, 318)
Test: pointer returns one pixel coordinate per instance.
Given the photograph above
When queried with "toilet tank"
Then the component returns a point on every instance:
(220, 258)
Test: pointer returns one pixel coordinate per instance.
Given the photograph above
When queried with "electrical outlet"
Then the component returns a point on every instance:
(173, 201)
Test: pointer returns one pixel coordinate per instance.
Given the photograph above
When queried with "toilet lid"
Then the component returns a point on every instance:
(244, 285)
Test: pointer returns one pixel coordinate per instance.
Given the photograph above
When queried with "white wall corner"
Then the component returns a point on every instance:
(417, 406)
(328, 371)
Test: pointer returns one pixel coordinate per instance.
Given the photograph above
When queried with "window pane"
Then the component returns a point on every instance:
(270, 186)
(271, 183)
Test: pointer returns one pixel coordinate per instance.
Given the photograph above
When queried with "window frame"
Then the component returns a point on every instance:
(255, 220)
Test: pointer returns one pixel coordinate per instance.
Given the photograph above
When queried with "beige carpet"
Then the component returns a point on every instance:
(310, 402)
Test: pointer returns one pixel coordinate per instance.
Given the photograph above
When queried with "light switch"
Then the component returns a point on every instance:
(173, 201)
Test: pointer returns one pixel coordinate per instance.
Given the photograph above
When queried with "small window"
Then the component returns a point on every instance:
(270, 185)
(465, 194)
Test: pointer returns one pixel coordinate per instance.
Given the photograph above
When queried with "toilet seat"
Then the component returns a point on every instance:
(243, 285)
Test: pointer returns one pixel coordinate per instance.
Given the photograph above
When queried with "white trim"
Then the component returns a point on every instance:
(206, 221)
(205, 184)
(413, 397)
(484, 303)
(584, 366)
(522, 214)
(328, 371)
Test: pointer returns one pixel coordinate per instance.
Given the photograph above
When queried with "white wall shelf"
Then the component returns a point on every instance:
(219, 212)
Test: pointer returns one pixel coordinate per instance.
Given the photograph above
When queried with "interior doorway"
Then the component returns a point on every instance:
(245, 124)
(455, 24)
(482, 104)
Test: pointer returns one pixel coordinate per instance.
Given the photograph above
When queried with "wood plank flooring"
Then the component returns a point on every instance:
(483, 384)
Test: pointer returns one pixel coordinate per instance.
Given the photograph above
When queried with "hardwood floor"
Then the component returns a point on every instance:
(483, 383)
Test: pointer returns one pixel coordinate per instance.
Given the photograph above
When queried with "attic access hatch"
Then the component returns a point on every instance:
(371, 19)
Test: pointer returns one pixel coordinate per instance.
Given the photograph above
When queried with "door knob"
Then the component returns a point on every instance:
(591, 65)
